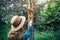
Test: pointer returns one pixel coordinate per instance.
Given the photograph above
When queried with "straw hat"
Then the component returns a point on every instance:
(17, 22)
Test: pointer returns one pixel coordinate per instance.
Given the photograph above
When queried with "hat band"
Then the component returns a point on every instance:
(18, 23)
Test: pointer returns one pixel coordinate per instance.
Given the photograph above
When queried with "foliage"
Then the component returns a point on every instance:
(8, 9)
(48, 15)
(47, 35)
(47, 21)
(4, 29)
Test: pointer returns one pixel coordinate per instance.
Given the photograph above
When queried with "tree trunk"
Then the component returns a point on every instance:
(30, 15)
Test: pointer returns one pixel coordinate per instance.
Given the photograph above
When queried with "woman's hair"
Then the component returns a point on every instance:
(15, 36)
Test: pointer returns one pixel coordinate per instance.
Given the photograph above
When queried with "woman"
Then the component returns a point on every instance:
(17, 23)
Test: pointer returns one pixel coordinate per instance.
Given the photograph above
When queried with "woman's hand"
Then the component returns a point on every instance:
(30, 22)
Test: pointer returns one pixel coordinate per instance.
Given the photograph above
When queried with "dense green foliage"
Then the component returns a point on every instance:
(48, 15)
(46, 19)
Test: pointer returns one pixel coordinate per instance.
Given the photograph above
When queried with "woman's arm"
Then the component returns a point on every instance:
(29, 32)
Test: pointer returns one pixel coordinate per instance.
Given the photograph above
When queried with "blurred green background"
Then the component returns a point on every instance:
(46, 18)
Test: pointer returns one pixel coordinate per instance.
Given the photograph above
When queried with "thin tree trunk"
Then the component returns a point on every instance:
(30, 15)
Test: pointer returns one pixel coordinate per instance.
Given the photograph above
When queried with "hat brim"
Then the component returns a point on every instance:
(20, 25)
